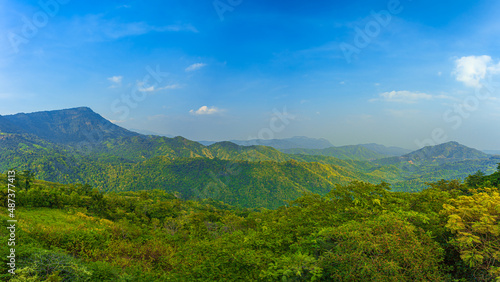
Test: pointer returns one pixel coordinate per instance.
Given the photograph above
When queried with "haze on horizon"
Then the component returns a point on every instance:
(390, 72)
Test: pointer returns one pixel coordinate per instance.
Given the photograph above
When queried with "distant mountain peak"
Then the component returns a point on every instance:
(448, 150)
(225, 144)
(64, 126)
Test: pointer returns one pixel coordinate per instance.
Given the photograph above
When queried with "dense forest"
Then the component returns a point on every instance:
(355, 232)
(226, 171)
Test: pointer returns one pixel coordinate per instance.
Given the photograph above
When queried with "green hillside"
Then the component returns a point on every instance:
(242, 183)
(356, 232)
(352, 152)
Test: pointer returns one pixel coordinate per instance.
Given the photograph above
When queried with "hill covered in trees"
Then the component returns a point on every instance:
(282, 144)
(84, 147)
(355, 232)
(352, 152)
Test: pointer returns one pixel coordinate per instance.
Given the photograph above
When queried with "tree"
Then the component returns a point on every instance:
(475, 180)
(28, 177)
(386, 248)
(475, 222)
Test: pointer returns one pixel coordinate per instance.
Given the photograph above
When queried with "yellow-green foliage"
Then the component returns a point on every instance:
(475, 222)
(356, 232)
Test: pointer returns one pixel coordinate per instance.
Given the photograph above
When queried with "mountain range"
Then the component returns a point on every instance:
(323, 147)
(79, 145)
(280, 144)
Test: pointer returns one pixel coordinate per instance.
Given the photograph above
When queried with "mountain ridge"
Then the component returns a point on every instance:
(349, 152)
(384, 150)
(279, 144)
(448, 150)
(121, 152)
(64, 126)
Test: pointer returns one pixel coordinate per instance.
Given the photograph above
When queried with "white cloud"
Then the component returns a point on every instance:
(171, 86)
(402, 97)
(116, 81)
(196, 66)
(495, 68)
(471, 70)
(153, 88)
(204, 110)
(148, 89)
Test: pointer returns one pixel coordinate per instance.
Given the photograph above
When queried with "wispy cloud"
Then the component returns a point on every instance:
(171, 86)
(196, 66)
(116, 81)
(147, 89)
(153, 88)
(471, 70)
(404, 96)
(204, 110)
(97, 28)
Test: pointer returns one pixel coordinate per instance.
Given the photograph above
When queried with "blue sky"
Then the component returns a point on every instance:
(404, 73)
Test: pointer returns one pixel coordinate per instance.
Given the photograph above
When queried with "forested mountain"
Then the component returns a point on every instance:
(64, 126)
(451, 151)
(351, 152)
(285, 143)
(236, 182)
(438, 154)
(241, 183)
(7, 126)
(119, 160)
